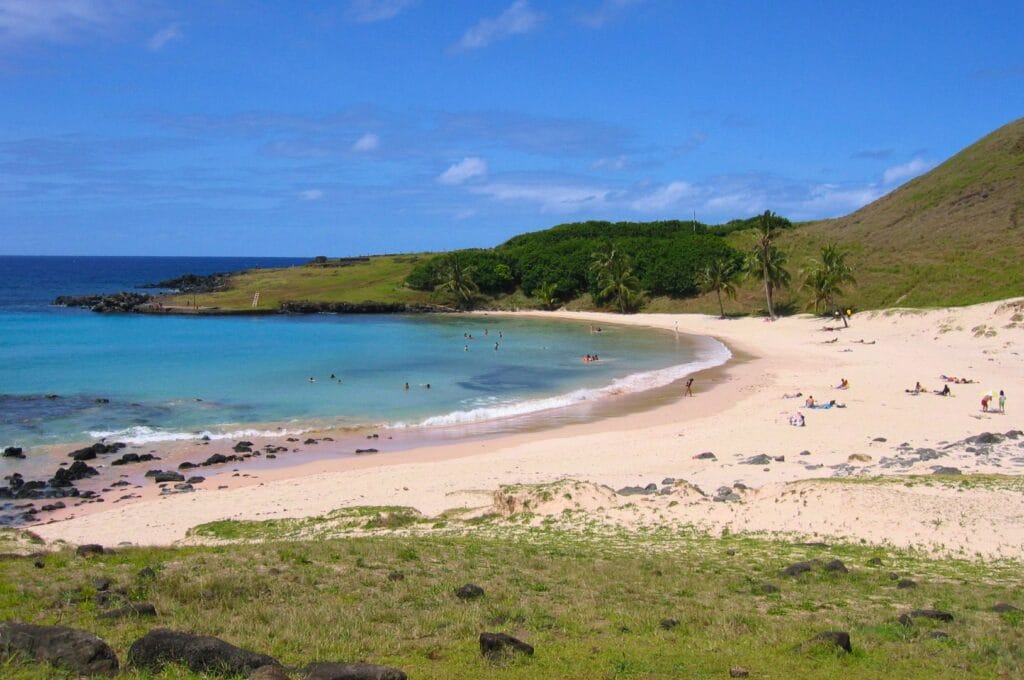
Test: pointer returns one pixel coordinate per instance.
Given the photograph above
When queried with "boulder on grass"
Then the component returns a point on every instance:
(496, 645)
(198, 653)
(78, 651)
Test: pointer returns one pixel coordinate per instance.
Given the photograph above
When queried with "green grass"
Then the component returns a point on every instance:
(382, 279)
(590, 606)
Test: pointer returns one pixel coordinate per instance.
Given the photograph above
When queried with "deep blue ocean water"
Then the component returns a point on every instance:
(71, 375)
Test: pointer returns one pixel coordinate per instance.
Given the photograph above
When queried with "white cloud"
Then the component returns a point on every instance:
(901, 173)
(668, 196)
(614, 163)
(311, 195)
(367, 142)
(519, 18)
(550, 198)
(464, 170)
(368, 11)
(605, 12)
(164, 36)
(58, 21)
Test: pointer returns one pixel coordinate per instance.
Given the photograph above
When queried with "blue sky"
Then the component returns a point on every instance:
(220, 127)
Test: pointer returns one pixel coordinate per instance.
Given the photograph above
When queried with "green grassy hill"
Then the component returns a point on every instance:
(952, 236)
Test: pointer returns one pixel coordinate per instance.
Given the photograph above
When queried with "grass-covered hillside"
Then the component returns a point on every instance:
(665, 604)
(953, 236)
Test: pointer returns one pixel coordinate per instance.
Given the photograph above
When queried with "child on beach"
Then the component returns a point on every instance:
(1002, 401)
(984, 402)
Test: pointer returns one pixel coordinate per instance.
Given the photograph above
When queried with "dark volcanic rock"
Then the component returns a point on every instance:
(985, 438)
(838, 638)
(836, 566)
(168, 476)
(78, 651)
(269, 673)
(13, 452)
(97, 449)
(934, 614)
(905, 583)
(351, 671)
(1004, 608)
(134, 609)
(116, 302)
(942, 470)
(668, 624)
(193, 283)
(496, 645)
(218, 458)
(707, 455)
(199, 653)
(470, 591)
(760, 459)
(797, 568)
(89, 549)
(359, 451)
(64, 477)
(651, 488)
(875, 562)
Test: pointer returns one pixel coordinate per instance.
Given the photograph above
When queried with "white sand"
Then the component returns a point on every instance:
(736, 413)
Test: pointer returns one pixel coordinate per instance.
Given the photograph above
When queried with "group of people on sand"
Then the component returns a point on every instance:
(797, 419)
(986, 402)
(986, 399)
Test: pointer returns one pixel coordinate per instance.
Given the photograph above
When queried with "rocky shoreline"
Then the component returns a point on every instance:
(126, 302)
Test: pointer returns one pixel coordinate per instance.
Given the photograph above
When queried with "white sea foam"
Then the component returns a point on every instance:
(709, 356)
(149, 435)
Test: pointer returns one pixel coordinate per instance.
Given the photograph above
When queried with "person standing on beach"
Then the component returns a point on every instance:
(689, 388)
(1002, 401)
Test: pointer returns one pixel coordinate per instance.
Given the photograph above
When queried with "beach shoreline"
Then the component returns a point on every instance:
(743, 416)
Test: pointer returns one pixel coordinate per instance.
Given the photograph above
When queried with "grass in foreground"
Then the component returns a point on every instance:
(592, 608)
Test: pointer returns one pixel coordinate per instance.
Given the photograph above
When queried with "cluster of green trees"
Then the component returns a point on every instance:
(620, 264)
(652, 258)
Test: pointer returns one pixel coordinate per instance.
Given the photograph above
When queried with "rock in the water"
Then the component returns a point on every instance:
(134, 609)
(352, 671)
(13, 452)
(496, 645)
(797, 568)
(198, 653)
(78, 651)
(470, 591)
(838, 638)
(89, 549)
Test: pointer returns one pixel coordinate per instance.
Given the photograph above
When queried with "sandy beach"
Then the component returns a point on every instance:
(809, 482)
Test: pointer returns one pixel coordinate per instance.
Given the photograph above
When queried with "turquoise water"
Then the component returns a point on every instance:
(71, 375)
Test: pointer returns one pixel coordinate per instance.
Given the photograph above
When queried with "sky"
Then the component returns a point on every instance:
(230, 127)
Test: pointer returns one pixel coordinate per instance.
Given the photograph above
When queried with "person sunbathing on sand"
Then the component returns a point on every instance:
(792, 396)
(809, 403)
(917, 389)
(843, 384)
(944, 392)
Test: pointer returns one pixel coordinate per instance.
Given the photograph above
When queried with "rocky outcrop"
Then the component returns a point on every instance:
(112, 303)
(198, 653)
(193, 283)
(78, 651)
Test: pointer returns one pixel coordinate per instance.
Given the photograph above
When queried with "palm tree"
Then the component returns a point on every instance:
(720, 276)
(824, 279)
(456, 279)
(767, 262)
(545, 294)
(616, 280)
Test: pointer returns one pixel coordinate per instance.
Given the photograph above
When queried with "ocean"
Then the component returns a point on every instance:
(70, 375)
